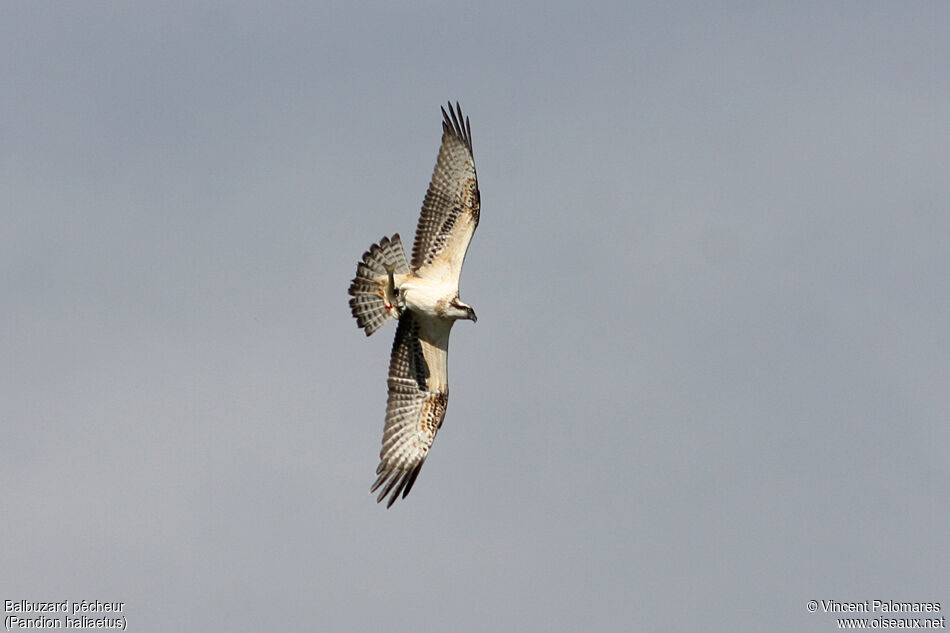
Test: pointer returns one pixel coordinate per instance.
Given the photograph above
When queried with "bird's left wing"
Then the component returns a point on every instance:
(451, 207)
(418, 395)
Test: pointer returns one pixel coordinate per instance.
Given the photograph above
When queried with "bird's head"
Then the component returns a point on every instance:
(458, 309)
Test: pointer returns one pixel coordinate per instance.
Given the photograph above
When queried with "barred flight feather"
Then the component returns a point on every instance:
(369, 288)
(413, 413)
(453, 192)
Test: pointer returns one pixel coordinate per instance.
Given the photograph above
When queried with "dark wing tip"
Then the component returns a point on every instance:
(411, 479)
(397, 482)
(456, 124)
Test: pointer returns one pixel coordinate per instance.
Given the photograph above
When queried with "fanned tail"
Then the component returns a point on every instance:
(372, 302)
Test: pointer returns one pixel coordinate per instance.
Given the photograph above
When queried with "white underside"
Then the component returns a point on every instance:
(422, 296)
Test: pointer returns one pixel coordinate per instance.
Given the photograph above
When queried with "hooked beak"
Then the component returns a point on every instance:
(471, 315)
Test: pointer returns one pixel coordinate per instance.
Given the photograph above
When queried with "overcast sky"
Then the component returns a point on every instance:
(709, 379)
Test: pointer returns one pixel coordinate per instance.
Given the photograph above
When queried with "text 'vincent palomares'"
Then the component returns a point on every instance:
(879, 606)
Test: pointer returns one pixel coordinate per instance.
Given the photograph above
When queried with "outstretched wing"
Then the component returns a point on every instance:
(418, 395)
(451, 206)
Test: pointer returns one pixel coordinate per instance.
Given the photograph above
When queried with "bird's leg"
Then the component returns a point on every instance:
(394, 298)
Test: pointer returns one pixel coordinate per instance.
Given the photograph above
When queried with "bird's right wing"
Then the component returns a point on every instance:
(418, 395)
(452, 204)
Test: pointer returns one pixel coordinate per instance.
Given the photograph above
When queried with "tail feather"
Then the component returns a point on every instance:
(370, 305)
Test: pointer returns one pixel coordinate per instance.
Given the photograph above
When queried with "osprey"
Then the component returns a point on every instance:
(424, 296)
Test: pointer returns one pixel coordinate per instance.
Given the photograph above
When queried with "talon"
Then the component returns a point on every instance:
(392, 291)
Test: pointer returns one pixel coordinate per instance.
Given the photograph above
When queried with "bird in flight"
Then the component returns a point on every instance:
(424, 296)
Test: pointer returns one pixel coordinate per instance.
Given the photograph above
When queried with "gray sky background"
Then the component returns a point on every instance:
(709, 378)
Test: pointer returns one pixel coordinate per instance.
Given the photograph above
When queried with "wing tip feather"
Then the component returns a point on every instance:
(457, 124)
(395, 482)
